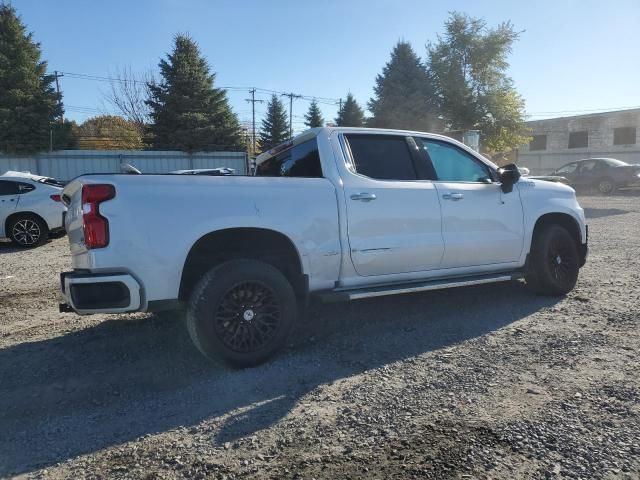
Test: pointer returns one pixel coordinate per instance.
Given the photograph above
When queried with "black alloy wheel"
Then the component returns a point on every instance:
(554, 261)
(248, 316)
(561, 260)
(241, 312)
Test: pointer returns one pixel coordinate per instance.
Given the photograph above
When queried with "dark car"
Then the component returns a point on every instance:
(604, 174)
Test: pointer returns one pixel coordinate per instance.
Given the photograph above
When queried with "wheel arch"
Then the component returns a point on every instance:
(564, 220)
(256, 243)
(13, 215)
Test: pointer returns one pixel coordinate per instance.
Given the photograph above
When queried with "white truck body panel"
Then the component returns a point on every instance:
(410, 231)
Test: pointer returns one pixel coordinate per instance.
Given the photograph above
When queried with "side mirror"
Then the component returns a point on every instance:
(508, 175)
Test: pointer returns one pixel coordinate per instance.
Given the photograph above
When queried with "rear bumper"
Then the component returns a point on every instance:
(87, 293)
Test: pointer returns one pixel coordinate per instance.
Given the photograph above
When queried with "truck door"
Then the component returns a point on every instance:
(393, 217)
(9, 192)
(480, 224)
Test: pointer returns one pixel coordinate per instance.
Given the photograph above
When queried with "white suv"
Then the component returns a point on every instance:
(30, 208)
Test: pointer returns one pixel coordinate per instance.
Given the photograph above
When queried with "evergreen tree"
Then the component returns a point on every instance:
(187, 112)
(403, 97)
(64, 135)
(275, 127)
(313, 118)
(468, 69)
(350, 115)
(29, 104)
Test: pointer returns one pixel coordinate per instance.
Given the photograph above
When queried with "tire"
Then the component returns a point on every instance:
(553, 262)
(606, 186)
(241, 313)
(28, 231)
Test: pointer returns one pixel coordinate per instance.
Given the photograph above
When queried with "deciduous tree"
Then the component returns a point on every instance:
(108, 132)
(128, 94)
(468, 68)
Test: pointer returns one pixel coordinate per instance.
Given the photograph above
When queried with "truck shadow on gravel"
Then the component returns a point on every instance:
(128, 377)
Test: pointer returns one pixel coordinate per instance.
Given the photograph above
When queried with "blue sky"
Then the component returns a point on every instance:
(573, 55)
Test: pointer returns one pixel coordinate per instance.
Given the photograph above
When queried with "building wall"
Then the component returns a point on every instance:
(600, 128)
(68, 164)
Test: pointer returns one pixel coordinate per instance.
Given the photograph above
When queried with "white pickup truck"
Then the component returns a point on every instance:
(338, 213)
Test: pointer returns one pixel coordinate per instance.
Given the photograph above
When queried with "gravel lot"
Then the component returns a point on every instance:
(483, 382)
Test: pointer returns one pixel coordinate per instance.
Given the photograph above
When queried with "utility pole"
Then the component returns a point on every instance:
(56, 74)
(291, 97)
(253, 116)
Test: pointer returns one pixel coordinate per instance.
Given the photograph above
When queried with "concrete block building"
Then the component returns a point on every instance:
(557, 141)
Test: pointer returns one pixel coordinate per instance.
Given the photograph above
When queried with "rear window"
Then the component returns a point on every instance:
(383, 157)
(302, 160)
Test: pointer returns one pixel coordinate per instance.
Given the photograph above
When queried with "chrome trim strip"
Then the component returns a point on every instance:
(424, 288)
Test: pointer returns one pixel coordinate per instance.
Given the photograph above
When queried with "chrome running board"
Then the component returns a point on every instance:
(395, 289)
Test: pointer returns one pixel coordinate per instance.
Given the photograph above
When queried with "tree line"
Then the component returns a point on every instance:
(460, 85)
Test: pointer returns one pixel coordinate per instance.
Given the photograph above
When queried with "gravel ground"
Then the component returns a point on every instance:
(482, 382)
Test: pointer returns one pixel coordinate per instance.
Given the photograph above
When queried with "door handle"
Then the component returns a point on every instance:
(364, 196)
(455, 196)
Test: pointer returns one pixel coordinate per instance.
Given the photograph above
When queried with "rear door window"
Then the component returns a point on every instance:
(302, 160)
(383, 157)
(9, 188)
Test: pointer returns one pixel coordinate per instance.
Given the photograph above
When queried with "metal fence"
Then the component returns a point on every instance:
(68, 164)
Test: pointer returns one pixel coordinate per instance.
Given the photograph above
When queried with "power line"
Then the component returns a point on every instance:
(100, 78)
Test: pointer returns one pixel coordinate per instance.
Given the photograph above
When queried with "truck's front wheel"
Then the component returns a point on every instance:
(554, 262)
(241, 312)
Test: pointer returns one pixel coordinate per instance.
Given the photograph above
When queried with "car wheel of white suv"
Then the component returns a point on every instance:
(28, 231)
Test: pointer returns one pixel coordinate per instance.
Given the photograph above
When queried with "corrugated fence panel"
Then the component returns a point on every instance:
(17, 164)
(68, 164)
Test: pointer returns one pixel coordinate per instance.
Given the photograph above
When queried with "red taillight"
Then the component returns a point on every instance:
(55, 198)
(96, 227)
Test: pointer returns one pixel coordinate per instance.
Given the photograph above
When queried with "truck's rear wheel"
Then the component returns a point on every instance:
(554, 262)
(241, 312)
